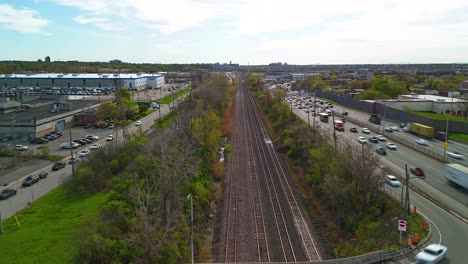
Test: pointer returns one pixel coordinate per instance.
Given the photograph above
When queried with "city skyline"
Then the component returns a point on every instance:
(246, 32)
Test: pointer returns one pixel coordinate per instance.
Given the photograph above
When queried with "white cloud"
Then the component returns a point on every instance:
(110, 27)
(89, 19)
(22, 20)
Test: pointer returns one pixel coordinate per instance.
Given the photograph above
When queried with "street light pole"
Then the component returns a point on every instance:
(71, 149)
(191, 225)
(446, 131)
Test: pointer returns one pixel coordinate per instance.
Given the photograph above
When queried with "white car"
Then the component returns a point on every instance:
(110, 138)
(92, 137)
(381, 138)
(432, 254)
(390, 145)
(362, 140)
(95, 146)
(422, 142)
(138, 123)
(455, 155)
(365, 130)
(84, 153)
(392, 181)
(21, 148)
(395, 128)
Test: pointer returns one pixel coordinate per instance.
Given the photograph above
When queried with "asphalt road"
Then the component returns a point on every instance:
(446, 229)
(435, 183)
(27, 195)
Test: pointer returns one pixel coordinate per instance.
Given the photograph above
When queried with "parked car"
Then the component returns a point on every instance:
(88, 125)
(111, 126)
(138, 123)
(7, 193)
(353, 129)
(381, 151)
(381, 138)
(455, 155)
(433, 253)
(392, 181)
(30, 180)
(21, 148)
(365, 130)
(422, 142)
(373, 139)
(362, 140)
(390, 145)
(417, 171)
(58, 165)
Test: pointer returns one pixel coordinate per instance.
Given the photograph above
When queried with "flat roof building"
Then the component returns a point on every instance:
(132, 81)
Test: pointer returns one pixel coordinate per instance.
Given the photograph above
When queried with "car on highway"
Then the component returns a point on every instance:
(381, 138)
(433, 253)
(392, 181)
(373, 139)
(7, 193)
(30, 180)
(353, 129)
(390, 145)
(362, 140)
(95, 146)
(365, 130)
(84, 153)
(395, 128)
(455, 155)
(111, 126)
(74, 160)
(417, 171)
(58, 165)
(110, 138)
(21, 148)
(381, 151)
(138, 123)
(422, 142)
(43, 174)
(389, 129)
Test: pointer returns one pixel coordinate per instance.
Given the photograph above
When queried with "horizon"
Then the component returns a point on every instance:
(256, 32)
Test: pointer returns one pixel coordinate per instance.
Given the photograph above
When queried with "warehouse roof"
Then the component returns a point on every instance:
(79, 76)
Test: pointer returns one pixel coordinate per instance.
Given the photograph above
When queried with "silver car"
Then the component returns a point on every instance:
(455, 155)
(432, 254)
(422, 142)
(392, 181)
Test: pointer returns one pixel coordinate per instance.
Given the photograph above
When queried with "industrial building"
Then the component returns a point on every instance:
(20, 122)
(55, 81)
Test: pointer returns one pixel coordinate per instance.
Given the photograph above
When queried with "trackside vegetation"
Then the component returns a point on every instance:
(338, 181)
(128, 202)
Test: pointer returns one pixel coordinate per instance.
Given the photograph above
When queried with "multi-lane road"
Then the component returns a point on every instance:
(449, 226)
(27, 195)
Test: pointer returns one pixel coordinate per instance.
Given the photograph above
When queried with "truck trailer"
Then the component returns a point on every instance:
(420, 130)
(339, 125)
(457, 174)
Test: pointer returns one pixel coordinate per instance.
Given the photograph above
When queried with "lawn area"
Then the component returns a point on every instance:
(171, 97)
(441, 116)
(459, 136)
(48, 229)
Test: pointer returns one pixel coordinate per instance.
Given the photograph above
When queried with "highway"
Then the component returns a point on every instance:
(27, 195)
(446, 229)
(434, 145)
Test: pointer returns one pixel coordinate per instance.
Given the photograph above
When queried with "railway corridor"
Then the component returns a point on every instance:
(261, 220)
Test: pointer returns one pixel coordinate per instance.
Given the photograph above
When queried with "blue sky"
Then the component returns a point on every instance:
(241, 31)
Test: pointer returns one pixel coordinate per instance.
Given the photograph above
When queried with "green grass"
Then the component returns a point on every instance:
(441, 116)
(48, 229)
(459, 136)
(171, 97)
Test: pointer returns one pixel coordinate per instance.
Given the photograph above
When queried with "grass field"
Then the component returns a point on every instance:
(459, 136)
(48, 228)
(441, 116)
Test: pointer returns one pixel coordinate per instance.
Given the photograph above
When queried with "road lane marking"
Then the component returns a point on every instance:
(438, 231)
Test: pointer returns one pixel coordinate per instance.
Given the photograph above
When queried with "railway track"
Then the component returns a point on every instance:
(264, 222)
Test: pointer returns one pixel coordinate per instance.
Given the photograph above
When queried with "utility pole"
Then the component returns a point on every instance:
(191, 225)
(334, 129)
(308, 118)
(315, 111)
(383, 121)
(1, 222)
(13, 128)
(446, 132)
(71, 149)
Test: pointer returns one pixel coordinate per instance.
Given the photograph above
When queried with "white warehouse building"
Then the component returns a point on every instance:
(132, 81)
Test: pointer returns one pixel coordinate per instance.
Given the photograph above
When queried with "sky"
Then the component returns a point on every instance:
(242, 31)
